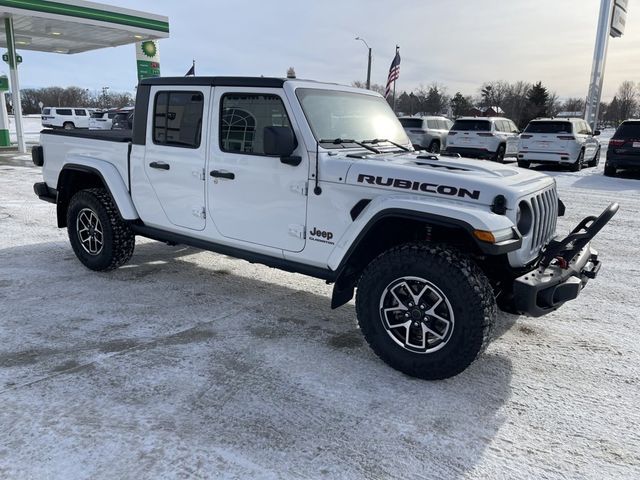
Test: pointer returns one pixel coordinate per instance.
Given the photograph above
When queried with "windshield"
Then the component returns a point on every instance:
(548, 127)
(334, 114)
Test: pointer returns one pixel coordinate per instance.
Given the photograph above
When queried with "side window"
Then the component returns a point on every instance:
(432, 124)
(513, 127)
(64, 111)
(79, 112)
(244, 116)
(442, 124)
(177, 119)
(587, 128)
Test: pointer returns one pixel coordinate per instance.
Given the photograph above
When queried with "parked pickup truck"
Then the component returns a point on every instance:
(321, 179)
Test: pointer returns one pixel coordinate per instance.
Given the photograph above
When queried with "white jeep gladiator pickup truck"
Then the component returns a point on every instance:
(320, 179)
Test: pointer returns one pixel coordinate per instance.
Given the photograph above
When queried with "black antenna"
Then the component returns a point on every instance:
(317, 190)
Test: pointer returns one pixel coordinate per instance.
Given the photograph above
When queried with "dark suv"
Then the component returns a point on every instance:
(624, 148)
(123, 120)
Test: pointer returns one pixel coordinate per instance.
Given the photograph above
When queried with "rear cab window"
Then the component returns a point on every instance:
(472, 126)
(177, 119)
(551, 127)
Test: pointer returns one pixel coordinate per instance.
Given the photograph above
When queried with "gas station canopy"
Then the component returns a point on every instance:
(66, 27)
(77, 26)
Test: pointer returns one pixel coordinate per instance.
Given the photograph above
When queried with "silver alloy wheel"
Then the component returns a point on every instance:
(90, 231)
(416, 314)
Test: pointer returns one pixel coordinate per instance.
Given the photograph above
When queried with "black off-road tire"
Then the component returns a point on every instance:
(434, 147)
(118, 239)
(68, 126)
(577, 166)
(609, 171)
(499, 156)
(596, 159)
(463, 284)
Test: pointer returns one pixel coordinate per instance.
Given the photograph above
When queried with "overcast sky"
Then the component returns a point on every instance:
(457, 43)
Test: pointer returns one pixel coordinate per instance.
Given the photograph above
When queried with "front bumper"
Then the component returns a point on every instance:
(564, 269)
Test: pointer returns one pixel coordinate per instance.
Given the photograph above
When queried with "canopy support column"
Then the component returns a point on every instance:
(15, 84)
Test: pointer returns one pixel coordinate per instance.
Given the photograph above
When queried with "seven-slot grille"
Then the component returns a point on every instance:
(544, 207)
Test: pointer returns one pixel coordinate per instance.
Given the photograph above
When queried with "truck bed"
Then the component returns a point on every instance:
(105, 135)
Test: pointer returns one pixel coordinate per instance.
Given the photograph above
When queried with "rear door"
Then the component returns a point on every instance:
(253, 197)
(591, 143)
(81, 118)
(176, 152)
(513, 137)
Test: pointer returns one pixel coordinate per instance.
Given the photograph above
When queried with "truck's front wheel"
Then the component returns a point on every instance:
(425, 310)
(100, 238)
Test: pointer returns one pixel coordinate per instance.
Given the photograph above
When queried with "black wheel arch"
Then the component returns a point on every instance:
(71, 180)
(392, 227)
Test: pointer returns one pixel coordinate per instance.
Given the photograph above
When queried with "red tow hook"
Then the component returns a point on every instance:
(562, 263)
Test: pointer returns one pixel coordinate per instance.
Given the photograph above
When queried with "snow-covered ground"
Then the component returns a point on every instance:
(187, 364)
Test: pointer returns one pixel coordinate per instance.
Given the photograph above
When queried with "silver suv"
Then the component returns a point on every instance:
(427, 133)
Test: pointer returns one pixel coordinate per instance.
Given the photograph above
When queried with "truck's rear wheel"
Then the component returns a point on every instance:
(100, 238)
(425, 310)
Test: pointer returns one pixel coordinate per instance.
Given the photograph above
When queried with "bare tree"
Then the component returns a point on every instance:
(627, 99)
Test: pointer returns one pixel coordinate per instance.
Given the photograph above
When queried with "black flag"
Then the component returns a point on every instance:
(192, 70)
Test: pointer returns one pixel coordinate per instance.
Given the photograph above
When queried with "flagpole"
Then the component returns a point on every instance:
(394, 86)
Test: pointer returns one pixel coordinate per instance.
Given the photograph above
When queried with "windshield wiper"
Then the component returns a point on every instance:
(376, 141)
(340, 141)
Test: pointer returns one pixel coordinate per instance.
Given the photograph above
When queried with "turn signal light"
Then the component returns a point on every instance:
(484, 236)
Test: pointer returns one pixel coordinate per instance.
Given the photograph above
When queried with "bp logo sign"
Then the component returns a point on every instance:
(148, 59)
(149, 49)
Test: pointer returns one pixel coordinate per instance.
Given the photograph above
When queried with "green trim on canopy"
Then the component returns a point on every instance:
(58, 8)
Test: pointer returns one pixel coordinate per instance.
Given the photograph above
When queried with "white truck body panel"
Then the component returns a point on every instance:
(270, 207)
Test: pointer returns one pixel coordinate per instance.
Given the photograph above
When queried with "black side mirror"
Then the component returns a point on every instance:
(279, 141)
(596, 133)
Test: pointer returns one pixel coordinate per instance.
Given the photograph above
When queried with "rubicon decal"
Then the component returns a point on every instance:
(419, 186)
(321, 236)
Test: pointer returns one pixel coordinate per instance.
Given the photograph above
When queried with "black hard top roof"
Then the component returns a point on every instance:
(265, 82)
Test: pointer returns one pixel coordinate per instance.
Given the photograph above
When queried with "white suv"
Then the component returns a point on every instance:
(492, 138)
(67, 118)
(563, 141)
(427, 133)
(102, 120)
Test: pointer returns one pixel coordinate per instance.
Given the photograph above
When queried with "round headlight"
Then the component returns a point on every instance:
(525, 218)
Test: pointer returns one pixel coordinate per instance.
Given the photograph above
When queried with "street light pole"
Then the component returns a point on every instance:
(369, 62)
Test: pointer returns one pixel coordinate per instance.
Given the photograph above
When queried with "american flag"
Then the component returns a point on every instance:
(394, 73)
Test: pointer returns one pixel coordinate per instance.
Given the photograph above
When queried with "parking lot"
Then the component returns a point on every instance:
(188, 364)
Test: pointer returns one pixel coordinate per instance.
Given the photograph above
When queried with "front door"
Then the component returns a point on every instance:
(176, 152)
(253, 197)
